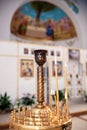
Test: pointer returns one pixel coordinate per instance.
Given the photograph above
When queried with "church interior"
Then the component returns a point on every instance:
(43, 65)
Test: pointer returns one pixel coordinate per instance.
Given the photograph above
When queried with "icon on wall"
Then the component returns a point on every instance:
(26, 51)
(58, 53)
(26, 68)
(74, 54)
(60, 69)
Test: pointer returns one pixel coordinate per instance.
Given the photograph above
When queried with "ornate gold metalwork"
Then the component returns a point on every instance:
(41, 117)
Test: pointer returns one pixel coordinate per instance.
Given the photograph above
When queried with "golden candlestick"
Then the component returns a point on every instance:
(40, 117)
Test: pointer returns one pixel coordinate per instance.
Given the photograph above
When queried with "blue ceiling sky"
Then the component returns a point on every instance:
(55, 14)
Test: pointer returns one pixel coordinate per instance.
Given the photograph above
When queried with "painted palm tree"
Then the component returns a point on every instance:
(39, 7)
(73, 5)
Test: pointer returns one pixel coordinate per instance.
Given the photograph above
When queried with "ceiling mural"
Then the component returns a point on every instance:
(73, 4)
(43, 21)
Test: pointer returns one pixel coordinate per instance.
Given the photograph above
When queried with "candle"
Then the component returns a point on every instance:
(57, 94)
(66, 86)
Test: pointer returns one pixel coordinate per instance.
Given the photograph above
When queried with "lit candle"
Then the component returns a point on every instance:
(65, 76)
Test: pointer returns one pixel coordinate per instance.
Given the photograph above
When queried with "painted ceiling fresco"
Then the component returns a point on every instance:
(73, 4)
(43, 21)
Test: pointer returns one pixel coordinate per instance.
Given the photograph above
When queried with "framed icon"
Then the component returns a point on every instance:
(26, 68)
(60, 68)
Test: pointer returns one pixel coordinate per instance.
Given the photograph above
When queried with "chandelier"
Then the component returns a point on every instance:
(41, 116)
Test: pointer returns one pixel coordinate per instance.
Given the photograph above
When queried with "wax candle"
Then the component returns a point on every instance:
(57, 94)
(66, 86)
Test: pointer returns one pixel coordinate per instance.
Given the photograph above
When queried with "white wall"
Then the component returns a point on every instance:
(10, 80)
(8, 69)
(8, 7)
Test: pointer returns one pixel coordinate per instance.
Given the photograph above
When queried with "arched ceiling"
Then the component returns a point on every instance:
(31, 21)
